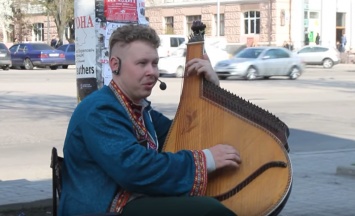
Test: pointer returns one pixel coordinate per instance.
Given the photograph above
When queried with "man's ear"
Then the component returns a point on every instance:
(115, 65)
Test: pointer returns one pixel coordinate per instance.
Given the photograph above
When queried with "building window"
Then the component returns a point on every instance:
(340, 19)
(252, 22)
(169, 25)
(313, 15)
(189, 21)
(11, 33)
(221, 24)
(38, 32)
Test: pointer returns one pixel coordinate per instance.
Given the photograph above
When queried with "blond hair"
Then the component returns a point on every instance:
(130, 33)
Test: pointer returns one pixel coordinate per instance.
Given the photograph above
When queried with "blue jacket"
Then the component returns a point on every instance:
(101, 155)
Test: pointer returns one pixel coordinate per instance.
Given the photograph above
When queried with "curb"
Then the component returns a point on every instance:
(346, 170)
(27, 205)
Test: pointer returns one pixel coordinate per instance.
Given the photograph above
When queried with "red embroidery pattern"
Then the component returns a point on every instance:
(200, 184)
(135, 113)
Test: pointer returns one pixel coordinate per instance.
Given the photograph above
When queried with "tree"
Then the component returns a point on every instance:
(63, 13)
(21, 23)
(6, 15)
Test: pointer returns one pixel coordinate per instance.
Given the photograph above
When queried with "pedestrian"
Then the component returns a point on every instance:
(113, 159)
(306, 39)
(343, 42)
(53, 42)
(317, 39)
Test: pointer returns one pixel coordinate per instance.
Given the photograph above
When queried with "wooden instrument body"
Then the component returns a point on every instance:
(208, 115)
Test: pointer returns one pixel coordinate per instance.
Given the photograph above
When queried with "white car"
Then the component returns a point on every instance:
(319, 55)
(174, 65)
(170, 43)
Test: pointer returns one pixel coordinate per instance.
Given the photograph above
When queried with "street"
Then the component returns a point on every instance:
(318, 108)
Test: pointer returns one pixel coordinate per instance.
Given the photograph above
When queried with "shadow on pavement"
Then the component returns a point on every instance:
(39, 106)
(303, 141)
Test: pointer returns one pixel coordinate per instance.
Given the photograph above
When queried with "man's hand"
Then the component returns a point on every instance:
(202, 66)
(225, 156)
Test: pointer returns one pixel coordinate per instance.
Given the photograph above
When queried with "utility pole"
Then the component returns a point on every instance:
(47, 27)
(270, 22)
(218, 18)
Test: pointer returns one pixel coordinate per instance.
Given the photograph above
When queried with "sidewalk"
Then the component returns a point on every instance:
(317, 188)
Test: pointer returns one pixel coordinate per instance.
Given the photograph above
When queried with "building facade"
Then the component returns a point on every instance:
(330, 18)
(250, 22)
(259, 22)
(30, 24)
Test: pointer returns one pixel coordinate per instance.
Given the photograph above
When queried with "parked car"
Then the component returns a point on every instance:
(5, 57)
(175, 64)
(69, 50)
(319, 55)
(169, 43)
(254, 62)
(30, 55)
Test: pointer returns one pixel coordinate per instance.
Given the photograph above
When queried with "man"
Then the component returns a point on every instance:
(317, 39)
(112, 152)
(53, 42)
(343, 42)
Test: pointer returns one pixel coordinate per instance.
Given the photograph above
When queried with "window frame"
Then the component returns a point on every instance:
(38, 31)
(169, 24)
(189, 21)
(250, 18)
(221, 25)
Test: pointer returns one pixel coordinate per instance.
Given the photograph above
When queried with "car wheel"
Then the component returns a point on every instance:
(222, 77)
(328, 63)
(266, 77)
(295, 73)
(28, 64)
(6, 67)
(251, 73)
(65, 66)
(53, 67)
(179, 72)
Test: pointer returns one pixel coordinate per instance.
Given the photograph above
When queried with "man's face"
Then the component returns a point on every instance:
(139, 69)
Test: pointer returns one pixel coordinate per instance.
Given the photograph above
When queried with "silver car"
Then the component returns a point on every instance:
(319, 55)
(264, 62)
(5, 57)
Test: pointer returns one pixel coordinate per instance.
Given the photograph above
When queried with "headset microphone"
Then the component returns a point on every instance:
(162, 85)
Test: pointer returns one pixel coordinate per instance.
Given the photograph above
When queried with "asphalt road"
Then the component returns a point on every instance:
(36, 107)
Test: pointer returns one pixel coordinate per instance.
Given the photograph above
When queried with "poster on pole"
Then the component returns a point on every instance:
(121, 10)
(85, 49)
(95, 21)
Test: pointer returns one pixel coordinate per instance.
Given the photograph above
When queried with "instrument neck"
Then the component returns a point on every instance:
(192, 84)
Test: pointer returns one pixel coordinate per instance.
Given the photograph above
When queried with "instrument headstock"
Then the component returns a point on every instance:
(198, 31)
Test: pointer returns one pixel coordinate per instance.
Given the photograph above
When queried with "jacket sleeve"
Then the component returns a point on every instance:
(110, 140)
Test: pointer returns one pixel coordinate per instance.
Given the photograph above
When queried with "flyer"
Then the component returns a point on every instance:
(121, 10)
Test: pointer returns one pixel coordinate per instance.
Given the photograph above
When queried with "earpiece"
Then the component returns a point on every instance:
(117, 71)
